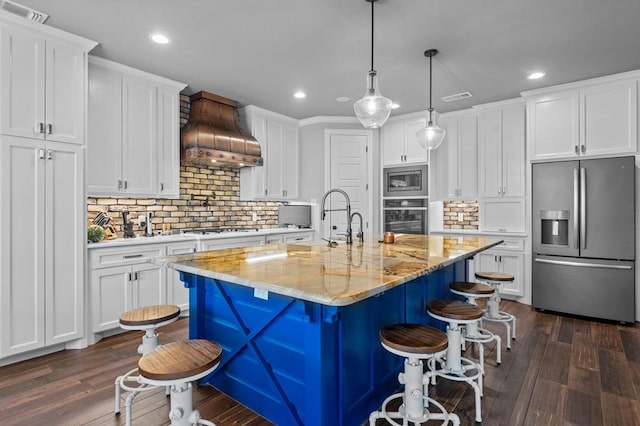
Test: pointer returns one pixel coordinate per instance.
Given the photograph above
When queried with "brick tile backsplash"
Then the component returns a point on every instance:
(209, 198)
(469, 210)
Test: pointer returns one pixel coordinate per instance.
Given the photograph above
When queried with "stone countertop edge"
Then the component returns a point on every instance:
(163, 239)
(174, 262)
(474, 233)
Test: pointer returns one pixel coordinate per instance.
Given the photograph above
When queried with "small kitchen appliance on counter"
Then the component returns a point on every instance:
(294, 215)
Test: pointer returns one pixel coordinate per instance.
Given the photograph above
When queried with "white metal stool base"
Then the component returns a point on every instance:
(481, 337)
(492, 313)
(474, 333)
(453, 365)
(415, 401)
(181, 412)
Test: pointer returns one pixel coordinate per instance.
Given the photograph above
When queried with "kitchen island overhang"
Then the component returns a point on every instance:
(299, 323)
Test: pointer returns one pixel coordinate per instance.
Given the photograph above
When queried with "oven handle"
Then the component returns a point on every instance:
(406, 208)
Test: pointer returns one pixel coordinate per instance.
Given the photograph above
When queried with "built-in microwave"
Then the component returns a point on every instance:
(406, 181)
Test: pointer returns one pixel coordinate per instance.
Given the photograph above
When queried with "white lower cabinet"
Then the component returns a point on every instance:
(121, 280)
(298, 237)
(177, 294)
(507, 258)
(224, 243)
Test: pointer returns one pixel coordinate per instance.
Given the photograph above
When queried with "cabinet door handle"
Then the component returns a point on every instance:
(129, 277)
(576, 149)
(41, 153)
(495, 258)
(40, 127)
(49, 128)
(161, 186)
(136, 274)
(131, 256)
(126, 184)
(583, 148)
(49, 154)
(265, 191)
(119, 184)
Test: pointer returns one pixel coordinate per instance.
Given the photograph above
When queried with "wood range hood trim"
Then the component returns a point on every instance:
(213, 136)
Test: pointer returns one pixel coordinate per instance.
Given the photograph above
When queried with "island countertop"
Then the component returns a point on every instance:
(335, 276)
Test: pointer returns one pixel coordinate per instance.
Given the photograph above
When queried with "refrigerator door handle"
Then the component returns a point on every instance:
(583, 207)
(576, 189)
(583, 265)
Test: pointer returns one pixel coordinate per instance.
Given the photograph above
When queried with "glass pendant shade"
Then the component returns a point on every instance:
(431, 136)
(373, 109)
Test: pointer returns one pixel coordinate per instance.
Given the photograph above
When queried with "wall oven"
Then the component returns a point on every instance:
(406, 181)
(406, 215)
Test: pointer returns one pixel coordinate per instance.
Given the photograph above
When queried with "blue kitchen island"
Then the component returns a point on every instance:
(299, 323)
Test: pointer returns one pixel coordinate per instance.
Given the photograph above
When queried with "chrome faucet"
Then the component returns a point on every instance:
(348, 210)
(360, 234)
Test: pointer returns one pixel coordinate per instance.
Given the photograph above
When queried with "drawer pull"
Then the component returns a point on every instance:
(132, 256)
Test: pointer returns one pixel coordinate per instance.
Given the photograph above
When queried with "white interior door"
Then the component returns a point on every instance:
(347, 167)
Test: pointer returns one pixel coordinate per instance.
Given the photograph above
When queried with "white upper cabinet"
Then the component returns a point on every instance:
(501, 152)
(590, 119)
(456, 172)
(133, 137)
(278, 178)
(609, 119)
(42, 83)
(400, 144)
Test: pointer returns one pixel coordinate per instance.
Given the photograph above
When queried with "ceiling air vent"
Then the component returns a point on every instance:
(25, 12)
(456, 97)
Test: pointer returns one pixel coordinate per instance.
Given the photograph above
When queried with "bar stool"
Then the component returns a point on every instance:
(414, 342)
(178, 364)
(473, 332)
(493, 312)
(146, 319)
(455, 367)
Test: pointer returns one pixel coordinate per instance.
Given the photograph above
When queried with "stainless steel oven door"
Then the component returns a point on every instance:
(406, 181)
(406, 216)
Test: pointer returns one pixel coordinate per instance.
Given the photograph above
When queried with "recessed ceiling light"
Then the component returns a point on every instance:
(342, 99)
(299, 95)
(536, 75)
(160, 39)
(395, 106)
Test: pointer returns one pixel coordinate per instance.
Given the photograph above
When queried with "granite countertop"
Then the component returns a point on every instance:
(334, 276)
(160, 239)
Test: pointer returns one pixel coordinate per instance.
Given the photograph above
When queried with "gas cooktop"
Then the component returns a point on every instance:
(205, 231)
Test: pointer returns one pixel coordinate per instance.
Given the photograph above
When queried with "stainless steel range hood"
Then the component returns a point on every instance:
(213, 136)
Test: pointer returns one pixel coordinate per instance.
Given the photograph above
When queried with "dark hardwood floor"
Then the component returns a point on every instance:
(560, 371)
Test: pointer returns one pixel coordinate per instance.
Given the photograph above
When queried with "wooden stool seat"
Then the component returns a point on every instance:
(455, 310)
(179, 360)
(414, 338)
(149, 315)
(494, 276)
(479, 289)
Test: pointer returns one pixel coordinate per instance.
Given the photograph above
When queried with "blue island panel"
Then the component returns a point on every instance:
(297, 362)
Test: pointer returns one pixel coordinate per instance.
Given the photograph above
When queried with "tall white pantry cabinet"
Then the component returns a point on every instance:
(43, 99)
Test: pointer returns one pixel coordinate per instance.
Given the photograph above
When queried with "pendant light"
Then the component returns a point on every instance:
(431, 136)
(373, 109)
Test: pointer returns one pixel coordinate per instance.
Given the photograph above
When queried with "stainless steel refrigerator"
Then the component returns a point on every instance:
(583, 215)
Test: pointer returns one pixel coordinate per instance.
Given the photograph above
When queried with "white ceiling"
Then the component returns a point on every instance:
(260, 52)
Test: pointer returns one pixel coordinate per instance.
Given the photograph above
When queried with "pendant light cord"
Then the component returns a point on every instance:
(372, 34)
(430, 85)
